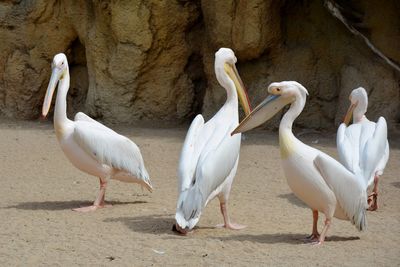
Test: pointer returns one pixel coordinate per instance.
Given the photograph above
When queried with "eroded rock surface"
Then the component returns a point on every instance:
(154, 60)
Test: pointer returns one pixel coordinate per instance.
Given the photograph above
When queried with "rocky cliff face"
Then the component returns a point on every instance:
(154, 60)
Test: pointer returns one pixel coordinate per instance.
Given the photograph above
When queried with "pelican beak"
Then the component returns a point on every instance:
(349, 114)
(232, 72)
(262, 113)
(55, 77)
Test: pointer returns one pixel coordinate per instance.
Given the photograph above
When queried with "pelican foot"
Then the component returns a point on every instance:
(317, 243)
(91, 208)
(232, 226)
(373, 202)
(313, 238)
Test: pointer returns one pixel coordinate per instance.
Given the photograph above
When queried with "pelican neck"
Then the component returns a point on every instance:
(60, 110)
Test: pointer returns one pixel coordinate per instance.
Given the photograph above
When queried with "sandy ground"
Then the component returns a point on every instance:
(40, 187)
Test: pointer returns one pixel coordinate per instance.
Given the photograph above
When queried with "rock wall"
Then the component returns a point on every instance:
(153, 60)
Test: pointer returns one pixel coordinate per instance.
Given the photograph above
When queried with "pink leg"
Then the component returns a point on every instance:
(99, 202)
(373, 198)
(227, 223)
(324, 231)
(314, 235)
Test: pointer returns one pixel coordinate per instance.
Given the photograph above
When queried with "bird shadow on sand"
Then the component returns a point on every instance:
(293, 200)
(396, 184)
(294, 239)
(153, 224)
(63, 205)
(150, 224)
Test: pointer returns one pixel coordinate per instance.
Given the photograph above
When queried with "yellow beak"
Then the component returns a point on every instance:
(349, 114)
(55, 76)
(262, 113)
(240, 89)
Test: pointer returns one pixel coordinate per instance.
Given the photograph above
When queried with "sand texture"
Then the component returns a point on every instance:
(40, 187)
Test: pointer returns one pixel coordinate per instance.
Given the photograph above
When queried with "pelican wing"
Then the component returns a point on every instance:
(216, 162)
(384, 160)
(375, 150)
(349, 190)
(190, 153)
(348, 142)
(80, 116)
(110, 148)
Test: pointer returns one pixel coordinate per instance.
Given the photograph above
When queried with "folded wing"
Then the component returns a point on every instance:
(110, 148)
(374, 151)
(349, 190)
(215, 164)
(348, 142)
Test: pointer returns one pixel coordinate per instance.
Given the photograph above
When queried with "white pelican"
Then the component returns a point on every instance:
(90, 146)
(355, 141)
(317, 179)
(210, 154)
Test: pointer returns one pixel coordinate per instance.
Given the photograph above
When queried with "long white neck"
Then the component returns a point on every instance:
(60, 111)
(294, 111)
(361, 98)
(359, 113)
(231, 103)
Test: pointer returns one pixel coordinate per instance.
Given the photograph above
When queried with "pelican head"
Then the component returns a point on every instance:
(59, 68)
(358, 107)
(227, 73)
(281, 94)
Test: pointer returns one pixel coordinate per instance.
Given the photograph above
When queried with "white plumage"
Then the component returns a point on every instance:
(210, 154)
(89, 145)
(314, 177)
(363, 147)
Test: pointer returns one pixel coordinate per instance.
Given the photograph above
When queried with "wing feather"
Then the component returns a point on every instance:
(190, 154)
(347, 140)
(80, 116)
(349, 190)
(110, 148)
(374, 150)
(214, 166)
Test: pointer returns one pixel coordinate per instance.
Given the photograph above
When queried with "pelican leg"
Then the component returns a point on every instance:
(324, 231)
(373, 198)
(99, 202)
(314, 235)
(227, 222)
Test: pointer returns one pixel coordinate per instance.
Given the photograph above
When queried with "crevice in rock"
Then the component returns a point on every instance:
(195, 68)
(195, 72)
(78, 90)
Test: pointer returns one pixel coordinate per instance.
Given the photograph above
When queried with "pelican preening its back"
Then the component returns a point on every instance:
(90, 146)
(210, 155)
(317, 179)
(358, 143)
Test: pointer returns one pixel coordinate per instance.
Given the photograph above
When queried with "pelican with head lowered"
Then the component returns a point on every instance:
(360, 141)
(89, 145)
(317, 179)
(210, 155)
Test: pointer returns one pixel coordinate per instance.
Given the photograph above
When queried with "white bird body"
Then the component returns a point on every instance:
(314, 177)
(90, 146)
(363, 147)
(304, 179)
(210, 154)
